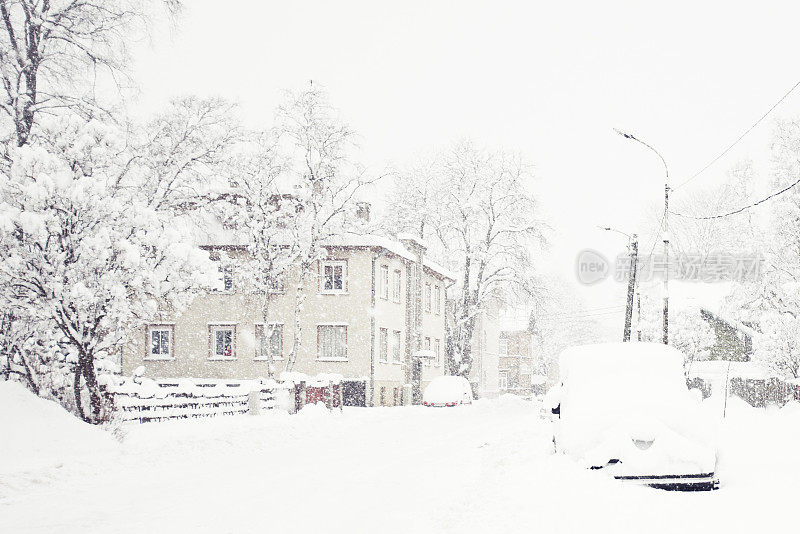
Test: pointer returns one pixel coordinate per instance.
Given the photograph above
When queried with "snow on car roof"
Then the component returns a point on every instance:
(609, 376)
(615, 358)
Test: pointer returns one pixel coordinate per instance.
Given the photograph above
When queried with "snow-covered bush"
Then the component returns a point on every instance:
(82, 249)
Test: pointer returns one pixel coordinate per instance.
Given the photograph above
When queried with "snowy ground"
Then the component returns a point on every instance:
(481, 468)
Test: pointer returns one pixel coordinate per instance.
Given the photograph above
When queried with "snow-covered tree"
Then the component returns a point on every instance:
(474, 207)
(325, 182)
(263, 214)
(83, 248)
(559, 320)
(689, 332)
(187, 152)
(52, 53)
(771, 302)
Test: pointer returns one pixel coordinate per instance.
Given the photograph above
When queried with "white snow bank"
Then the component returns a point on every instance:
(509, 399)
(39, 433)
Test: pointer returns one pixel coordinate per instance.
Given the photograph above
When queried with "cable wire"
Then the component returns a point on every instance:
(740, 210)
(764, 116)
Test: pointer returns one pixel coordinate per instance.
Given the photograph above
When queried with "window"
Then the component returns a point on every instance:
(332, 342)
(333, 277)
(275, 283)
(503, 380)
(427, 297)
(226, 274)
(427, 347)
(385, 282)
(383, 395)
(396, 396)
(437, 345)
(159, 341)
(272, 348)
(396, 286)
(223, 342)
(437, 300)
(503, 346)
(396, 346)
(384, 347)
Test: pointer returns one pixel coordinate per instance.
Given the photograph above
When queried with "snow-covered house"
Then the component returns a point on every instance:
(378, 304)
(485, 373)
(515, 362)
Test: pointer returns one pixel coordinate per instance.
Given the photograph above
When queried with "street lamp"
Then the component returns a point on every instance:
(666, 229)
(633, 247)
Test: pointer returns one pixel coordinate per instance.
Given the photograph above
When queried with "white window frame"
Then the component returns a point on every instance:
(263, 328)
(322, 358)
(397, 285)
(213, 328)
(437, 347)
(279, 285)
(502, 348)
(428, 297)
(428, 361)
(503, 379)
(437, 299)
(161, 327)
(225, 279)
(384, 282)
(332, 264)
(397, 340)
(383, 345)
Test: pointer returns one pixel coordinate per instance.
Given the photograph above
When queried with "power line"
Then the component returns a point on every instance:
(655, 240)
(586, 316)
(713, 161)
(743, 208)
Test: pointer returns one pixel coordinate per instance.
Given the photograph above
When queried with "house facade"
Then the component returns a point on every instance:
(373, 312)
(485, 373)
(516, 362)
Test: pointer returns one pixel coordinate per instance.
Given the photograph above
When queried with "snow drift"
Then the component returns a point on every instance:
(40, 433)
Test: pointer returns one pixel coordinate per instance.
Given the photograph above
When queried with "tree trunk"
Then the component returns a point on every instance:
(85, 369)
(267, 332)
(299, 299)
(76, 388)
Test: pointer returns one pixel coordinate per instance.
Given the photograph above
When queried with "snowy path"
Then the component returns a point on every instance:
(485, 468)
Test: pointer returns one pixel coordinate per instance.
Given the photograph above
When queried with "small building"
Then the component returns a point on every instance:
(485, 374)
(370, 306)
(516, 362)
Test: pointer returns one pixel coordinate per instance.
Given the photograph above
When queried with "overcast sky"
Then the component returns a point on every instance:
(549, 79)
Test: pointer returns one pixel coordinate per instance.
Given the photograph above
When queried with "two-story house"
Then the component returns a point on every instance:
(374, 313)
(516, 362)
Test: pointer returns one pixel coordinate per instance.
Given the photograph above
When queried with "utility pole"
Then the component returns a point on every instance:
(666, 263)
(634, 248)
(666, 229)
(638, 317)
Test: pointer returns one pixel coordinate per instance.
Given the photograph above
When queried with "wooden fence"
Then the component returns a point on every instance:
(144, 400)
(189, 404)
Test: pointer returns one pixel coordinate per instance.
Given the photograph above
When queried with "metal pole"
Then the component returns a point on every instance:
(666, 264)
(626, 335)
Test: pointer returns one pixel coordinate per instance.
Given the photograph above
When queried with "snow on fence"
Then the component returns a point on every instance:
(145, 400)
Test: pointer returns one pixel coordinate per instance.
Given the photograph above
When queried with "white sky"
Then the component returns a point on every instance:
(549, 79)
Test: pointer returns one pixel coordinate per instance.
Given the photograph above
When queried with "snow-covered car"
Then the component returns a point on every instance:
(447, 391)
(624, 408)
